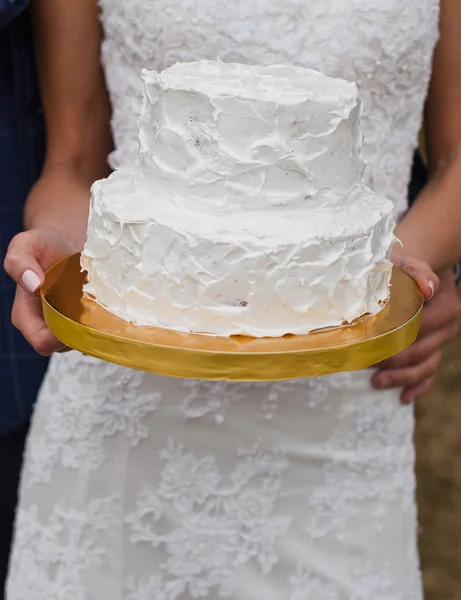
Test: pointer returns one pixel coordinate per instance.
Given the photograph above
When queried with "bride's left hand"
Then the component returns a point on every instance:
(415, 369)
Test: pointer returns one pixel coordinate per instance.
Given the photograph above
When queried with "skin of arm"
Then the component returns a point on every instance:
(431, 230)
(77, 112)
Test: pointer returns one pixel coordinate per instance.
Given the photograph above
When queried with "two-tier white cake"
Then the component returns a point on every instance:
(246, 210)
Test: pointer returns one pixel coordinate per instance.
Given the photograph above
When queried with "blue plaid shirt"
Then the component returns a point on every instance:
(22, 142)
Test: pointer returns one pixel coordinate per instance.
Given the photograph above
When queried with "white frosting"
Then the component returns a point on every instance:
(238, 138)
(246, 211)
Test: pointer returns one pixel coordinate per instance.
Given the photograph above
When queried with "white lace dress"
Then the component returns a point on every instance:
(140, 487)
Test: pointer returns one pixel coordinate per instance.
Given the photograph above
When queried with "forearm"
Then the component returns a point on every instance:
(431, 230)
(77, 114)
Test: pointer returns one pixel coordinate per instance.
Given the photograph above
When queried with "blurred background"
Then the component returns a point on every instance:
(438, 448)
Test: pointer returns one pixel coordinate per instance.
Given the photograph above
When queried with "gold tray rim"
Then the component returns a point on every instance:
(200, 362)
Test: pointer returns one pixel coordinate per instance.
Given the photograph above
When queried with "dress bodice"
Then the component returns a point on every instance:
(385, 46)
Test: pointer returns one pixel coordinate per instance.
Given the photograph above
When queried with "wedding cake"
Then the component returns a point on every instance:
(246, 210)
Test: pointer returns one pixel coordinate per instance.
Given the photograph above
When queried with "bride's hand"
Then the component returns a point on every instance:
(419, 271)
(29, 255)
(415, 369)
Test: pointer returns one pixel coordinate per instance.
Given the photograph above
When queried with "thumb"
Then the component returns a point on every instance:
(21, 261)
(420, 272)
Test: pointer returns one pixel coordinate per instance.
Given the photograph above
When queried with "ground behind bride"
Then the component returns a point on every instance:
(438, 443)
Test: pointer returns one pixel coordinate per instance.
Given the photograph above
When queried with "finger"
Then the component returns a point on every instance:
(440, 311)
(420, 272)
(28, 318)
(412, 392)
(409, 356)
(437, 316)
(407, 376)
(421, 349)
(21, 262)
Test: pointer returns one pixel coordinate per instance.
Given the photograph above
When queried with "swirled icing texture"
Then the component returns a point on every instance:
(246, 211)
(238, 138)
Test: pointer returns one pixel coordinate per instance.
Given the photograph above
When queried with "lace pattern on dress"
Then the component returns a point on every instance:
(223, 520)
(86, 402)
(51, 555)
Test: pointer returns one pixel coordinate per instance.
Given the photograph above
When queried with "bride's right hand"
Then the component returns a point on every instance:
(29, 255)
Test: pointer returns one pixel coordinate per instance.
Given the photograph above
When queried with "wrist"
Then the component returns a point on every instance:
(59, 204)
(413, 246)
(51, 235)
(49, 229)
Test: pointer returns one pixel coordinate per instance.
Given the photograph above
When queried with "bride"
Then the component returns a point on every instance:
(141, 487)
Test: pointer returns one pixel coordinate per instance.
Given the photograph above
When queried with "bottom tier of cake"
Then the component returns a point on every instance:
(152, 262)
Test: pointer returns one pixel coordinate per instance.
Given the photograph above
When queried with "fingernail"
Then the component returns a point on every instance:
(31, 281)
(432, 286)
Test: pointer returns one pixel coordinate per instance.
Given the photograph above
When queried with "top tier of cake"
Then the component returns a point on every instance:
(230, 137)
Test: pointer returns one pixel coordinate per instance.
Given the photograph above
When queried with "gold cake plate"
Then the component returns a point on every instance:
(84, 325)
